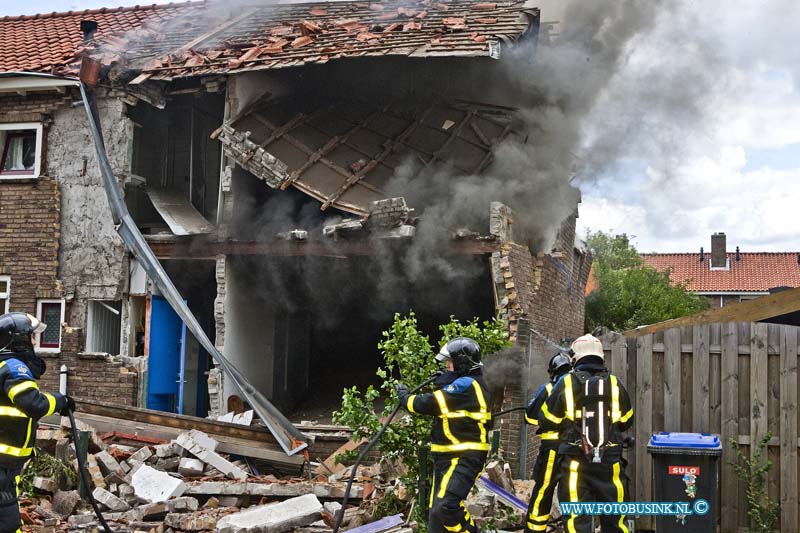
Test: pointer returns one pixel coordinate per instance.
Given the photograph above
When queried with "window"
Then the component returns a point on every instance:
(50, 312)
(5, 293)
(103, 327)
(20, 150)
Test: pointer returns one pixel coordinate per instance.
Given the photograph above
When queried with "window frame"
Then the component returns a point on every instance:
(7, 293)
(90, 323)
(39, 305)
(38, 129)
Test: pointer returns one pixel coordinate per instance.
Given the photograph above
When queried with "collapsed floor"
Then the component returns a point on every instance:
(146, 484)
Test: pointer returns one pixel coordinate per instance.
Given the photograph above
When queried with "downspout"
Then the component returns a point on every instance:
(290, 438)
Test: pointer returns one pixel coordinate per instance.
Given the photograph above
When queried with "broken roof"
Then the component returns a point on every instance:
(48, 42)
(284, 35)
(344, 153)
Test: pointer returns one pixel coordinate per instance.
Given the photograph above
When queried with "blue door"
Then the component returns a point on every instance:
(167, 358)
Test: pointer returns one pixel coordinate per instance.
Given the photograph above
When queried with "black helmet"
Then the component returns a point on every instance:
(559, 365)
(16, 330)
(465, 353)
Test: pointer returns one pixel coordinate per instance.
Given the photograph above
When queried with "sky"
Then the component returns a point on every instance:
(713, 143)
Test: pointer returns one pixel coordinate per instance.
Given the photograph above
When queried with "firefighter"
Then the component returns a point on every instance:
(459, 442)
(546, 469)
(21, 405)
(591, 409)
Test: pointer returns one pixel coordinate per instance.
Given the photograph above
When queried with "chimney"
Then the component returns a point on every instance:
(702, 255)
(88, 27)
(719, 254)
(738, 257)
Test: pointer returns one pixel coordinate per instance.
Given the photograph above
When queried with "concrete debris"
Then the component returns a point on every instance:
(189, 467)
(294, 235)
(65, 502)
(152, 486)
(110, 501)
(334, 231)
(45, 484)
(275, 518)
(201, 446)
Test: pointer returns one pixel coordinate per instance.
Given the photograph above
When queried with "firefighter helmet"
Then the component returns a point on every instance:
(16, 330)
(559, 364)
(586, 346)
(465, 353)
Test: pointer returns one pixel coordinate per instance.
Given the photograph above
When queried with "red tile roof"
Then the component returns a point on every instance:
(286, 35)
(754, 272)
(48, 42)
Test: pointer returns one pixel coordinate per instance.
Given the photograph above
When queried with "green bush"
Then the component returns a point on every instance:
(409, 359)
(763, 511)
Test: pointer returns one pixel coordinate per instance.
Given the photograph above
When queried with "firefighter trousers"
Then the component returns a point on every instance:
(545, 478)
(453, 478)
(10, 520)
(582, 481)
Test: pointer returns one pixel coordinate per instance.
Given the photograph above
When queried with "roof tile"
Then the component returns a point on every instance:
(753, 272)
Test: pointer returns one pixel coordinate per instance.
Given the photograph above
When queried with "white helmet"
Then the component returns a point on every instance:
(586, 346)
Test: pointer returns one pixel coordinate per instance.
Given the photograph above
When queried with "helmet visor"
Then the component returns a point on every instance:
(36, 325)
(443, 354)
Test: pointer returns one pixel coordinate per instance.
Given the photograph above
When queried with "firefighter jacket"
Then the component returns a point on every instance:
(560, 413)
(462, 415)
(535, 407)
(21, 406)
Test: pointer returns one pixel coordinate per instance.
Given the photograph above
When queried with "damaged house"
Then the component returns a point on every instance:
(303, 172)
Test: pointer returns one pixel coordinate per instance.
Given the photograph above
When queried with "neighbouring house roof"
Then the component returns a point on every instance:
(753, 272)
(344, 153)
(48, 42)
(285, 35)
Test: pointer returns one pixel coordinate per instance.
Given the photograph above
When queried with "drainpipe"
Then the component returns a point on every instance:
(523, 435)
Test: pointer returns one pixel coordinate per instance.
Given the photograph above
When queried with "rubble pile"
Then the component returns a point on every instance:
(146, 485)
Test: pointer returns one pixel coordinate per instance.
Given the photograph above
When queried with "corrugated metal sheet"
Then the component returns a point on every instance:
(344, 153)
(286, 35)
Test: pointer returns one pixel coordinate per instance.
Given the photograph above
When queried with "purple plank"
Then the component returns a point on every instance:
(381, 525)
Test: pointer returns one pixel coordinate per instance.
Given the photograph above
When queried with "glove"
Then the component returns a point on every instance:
(69, 406)
(402, 391)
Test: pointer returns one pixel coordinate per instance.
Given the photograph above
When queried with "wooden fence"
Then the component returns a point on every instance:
(738, 380)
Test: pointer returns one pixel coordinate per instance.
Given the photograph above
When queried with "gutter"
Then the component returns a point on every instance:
(289, 437)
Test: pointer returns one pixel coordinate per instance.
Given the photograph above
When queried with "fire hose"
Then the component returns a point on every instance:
(84, 473)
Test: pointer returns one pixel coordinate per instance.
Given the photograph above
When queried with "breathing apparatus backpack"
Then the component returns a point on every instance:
(595, 408)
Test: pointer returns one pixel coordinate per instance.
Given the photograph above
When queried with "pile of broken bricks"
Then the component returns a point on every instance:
(182, 485)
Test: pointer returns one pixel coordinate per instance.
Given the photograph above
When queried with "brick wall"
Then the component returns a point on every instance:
(544, 294)
(30, 248)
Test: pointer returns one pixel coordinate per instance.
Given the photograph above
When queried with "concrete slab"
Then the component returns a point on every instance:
(195, 442)
(151, 486)
(275, 518)
(109, 500)
(190, 467)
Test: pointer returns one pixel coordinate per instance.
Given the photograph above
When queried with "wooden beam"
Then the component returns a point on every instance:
(788, 429)
(186, 249)
(754, 310)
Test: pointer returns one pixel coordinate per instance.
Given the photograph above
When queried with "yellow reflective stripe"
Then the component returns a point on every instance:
(446, 478)
(11, 411)
(537, 527)
(16, 452)
(483, 408)
(460, 447)
(19, 387)
(551, 417)
(2, 364)
(569, 398)
(531, 421)
(551, 459)
(549, 435)
(620, 494)
(410, 403)
(439, 395)
(28, 436)
(468, 414)
(455, 529)
(52, 401)
(615, 414)
(573, 493)
(626, 416)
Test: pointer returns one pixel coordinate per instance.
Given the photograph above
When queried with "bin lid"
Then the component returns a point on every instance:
(684, 440)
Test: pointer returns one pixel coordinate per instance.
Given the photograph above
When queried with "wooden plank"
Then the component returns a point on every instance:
(644, 417)
(700, 373)
(761, 308)
(729, 364)
(657, 393)
(759, 386)
(619, 352)
(630, 455)
(788, 429)
(672, 380)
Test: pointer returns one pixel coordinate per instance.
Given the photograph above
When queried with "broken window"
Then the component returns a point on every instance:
(51, 313)
(5, 293)
(103, 326)
(21, 146)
